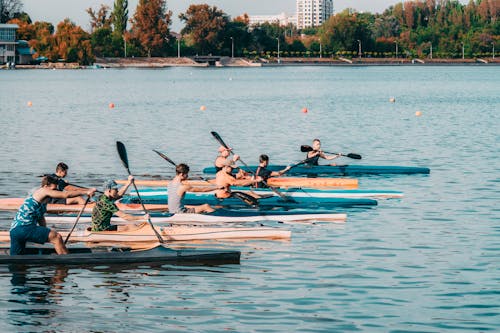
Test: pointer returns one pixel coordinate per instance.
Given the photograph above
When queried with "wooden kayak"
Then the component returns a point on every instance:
(42, 255)
(159, 193)
(283, 182)
(15, 203)
(342, 170)
(218, 217)
(144, 233)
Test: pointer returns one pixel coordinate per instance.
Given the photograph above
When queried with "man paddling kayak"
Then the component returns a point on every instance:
(105, 207)
(224, 159)
(177, 190)
(225, 179)
(265, 173)
(24, 228)
(314, 155)
(62, 185)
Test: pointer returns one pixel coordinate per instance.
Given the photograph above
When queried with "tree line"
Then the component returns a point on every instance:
(410, 29)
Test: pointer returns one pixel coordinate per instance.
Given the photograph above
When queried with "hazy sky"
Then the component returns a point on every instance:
(57, 10)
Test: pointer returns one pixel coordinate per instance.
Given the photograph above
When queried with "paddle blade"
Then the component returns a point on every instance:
(306, 148)
(165, 157)
(219, 139)
(122, 152)
(354, 156)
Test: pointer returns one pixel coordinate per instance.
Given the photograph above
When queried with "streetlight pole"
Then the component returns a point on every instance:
(359, 49)
(493, 45)
(431, 50)
(232, 47)
(179, 47)
(463, 50)
(278, 50)
(125, 46)
(320, 49)
(396, 42)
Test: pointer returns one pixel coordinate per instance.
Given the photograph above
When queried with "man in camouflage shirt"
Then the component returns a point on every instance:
(105, 207)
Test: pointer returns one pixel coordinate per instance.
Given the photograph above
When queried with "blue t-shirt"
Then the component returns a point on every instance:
(30, 213)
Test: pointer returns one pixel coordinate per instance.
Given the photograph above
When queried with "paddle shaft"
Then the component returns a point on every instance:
(122, 152)
(77, 219)
(306, 148)
(166, 158)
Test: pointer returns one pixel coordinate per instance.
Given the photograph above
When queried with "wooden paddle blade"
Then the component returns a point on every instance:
(219, 139)
(306, 148)
(165, 157)
(354, 156)
(122, 152)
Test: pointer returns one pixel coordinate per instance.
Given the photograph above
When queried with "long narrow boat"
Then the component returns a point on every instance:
(283, 182)
(120, 255)
(144, 233)
(15, 203)
(264, 203)
(342, 170)
(159, 193)
(218, 217)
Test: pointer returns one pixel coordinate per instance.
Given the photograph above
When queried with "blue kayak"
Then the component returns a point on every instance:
(342, 170)
(267, 202)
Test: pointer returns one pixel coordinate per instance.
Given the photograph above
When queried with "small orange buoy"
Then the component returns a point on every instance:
(304, 110)
(203, 108)
(418, 113)
(29, 104)
(111, 105)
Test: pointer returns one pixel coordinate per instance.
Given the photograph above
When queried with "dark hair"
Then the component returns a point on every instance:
(263, 158)
(47, 180)
(317, 140)
(182, 169)
(62, 166)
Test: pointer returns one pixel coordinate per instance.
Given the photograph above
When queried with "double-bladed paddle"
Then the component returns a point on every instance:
(248, 199)
(306, 148)
(222, 143)
(122, 152)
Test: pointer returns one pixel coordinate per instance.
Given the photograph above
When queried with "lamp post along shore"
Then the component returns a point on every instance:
(232, 47)
(178, 47)
(279, 61)
(463, 51)
(359, 49)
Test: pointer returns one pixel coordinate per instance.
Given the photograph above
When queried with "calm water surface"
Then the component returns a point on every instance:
(426, 263)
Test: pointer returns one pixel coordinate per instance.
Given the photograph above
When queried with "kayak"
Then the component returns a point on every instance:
(338, 170)
(144, 233)
(119, 255)
(156, 193)
(263, 203)
(282, 182)
(15, 203)
(219, 216)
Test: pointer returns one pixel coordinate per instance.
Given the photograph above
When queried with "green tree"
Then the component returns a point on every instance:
(120, 17)
(151, 27)
(205, 27)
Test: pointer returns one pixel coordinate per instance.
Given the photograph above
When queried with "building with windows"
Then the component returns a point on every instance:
(282, 19)
(313, 13)
(8, 43)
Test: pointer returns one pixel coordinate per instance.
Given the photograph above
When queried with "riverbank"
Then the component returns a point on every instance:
(217, 61)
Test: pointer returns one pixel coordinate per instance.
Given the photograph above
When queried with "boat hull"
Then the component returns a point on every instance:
(88, 256)
(144, 233)
(342, 170)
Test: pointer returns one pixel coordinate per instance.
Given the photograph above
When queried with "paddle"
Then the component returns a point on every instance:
(165, 157)
(306, 148)
(283, 196)
(248, 199)
(122, 152)
(77, 219)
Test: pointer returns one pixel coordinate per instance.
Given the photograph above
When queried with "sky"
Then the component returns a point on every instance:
(55, 11)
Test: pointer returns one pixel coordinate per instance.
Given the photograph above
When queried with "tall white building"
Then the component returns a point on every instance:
(312, 13)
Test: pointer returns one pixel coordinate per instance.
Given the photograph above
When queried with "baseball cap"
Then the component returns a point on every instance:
(110, 184)
(222, 148)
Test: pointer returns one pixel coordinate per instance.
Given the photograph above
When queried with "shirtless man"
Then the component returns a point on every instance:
(224, 179)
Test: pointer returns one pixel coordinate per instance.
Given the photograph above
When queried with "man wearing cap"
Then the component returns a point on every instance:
(105, 207)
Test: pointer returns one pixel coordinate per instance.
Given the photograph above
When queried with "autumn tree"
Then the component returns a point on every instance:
(100, 18)
(71, 43)
(205, 27)
(151, 27)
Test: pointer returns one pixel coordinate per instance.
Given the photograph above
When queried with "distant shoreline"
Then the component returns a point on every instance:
(243, 62)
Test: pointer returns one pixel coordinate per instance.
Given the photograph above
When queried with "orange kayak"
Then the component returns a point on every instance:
(15, 203)
(283, 182)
